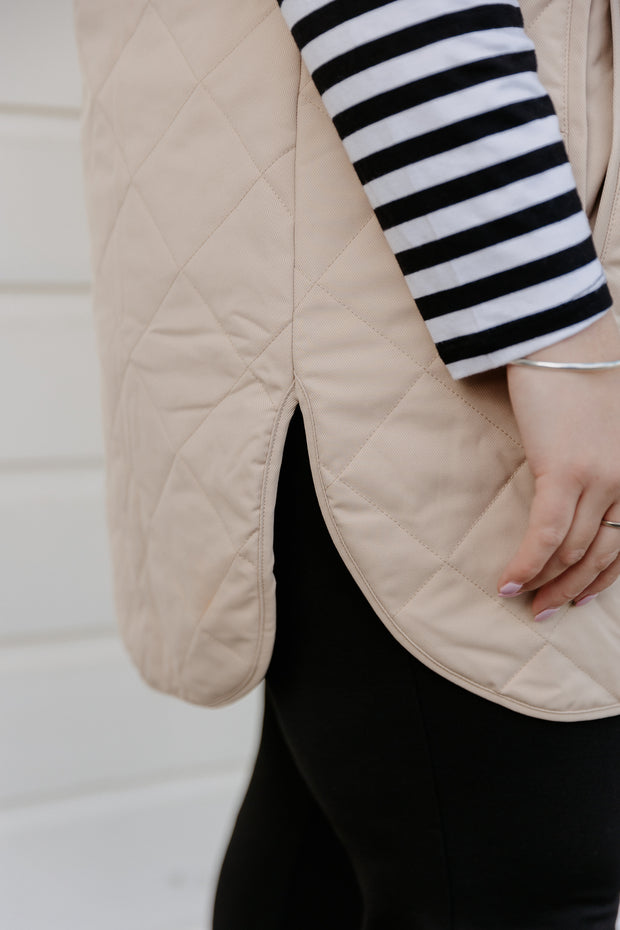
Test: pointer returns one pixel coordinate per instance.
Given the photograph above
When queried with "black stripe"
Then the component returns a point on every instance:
(332, 14)
(452, 136)
(488, 234)
(405, 40)
(429, 88)
(470, 185)
(530, 327)
(507, 282)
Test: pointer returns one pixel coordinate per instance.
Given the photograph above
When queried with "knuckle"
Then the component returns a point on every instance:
(551, 536)
(601, 562)
(588, 473)
(582, 473)
(569, 557)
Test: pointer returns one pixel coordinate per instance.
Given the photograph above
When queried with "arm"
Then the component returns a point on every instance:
(570, 428)
(459, 150)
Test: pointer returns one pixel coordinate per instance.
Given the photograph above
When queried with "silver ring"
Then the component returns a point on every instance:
(610, 523)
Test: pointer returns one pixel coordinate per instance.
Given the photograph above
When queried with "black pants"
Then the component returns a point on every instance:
(386, 797)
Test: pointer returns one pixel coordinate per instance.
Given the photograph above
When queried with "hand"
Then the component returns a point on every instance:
(570, 429)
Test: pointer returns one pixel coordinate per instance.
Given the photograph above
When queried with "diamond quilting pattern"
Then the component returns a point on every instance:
(229, 231)
(191, 169)
(113, 24)
(254, 305)
(207, 40)
(139, 99)
(227, 86)
(181, 344)
(474, 466)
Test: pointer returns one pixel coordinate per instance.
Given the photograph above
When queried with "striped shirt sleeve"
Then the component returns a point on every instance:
(458, 147)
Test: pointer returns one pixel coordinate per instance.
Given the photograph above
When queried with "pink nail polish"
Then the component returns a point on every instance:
(510, 589)
(585, 600)
(546, 613)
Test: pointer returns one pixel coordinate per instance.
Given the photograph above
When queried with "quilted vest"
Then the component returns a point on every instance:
(239, 270)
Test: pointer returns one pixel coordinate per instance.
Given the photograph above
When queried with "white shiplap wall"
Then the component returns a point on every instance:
(115, 801)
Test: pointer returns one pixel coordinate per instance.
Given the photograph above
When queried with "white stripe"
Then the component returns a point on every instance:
(467, 214)
(441, 112)
(518, 304)
(423, 62)
(501, 256)
(463, 160)
(478, 363)
(376, 24)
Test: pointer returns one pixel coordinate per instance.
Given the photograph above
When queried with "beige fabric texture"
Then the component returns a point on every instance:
(239, 270)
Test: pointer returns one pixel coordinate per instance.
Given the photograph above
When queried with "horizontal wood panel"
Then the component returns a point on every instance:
(78, 718)
(38, 59)
(136, 860)
(41, 190)
(49, 378)
(54, 553)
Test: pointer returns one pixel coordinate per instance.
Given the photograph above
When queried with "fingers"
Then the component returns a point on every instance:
(565, 554)
(604, 580)
(592, 574)
(582, 533)
(551, 516)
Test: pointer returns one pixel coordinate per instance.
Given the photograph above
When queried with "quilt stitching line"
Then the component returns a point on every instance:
(202, 83)
(233, 48)
(250, 156)
(111, 67)
(551, 645)
(199, 622)
(177, 455)
(248, 365)
(508, 481)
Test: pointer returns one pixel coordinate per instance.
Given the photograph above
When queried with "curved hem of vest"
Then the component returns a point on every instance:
(266, 630)
(514, 704)
(265, 636)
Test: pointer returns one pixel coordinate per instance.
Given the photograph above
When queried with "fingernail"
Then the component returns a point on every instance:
(510, 589)
(585, 600)
(546, 613)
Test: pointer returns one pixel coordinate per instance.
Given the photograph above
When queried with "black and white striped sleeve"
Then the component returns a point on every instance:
(458, 147)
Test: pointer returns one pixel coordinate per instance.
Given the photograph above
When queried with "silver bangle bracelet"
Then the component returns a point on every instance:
(567, 366)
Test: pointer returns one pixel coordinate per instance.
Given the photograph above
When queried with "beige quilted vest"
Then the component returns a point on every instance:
(239, 270)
